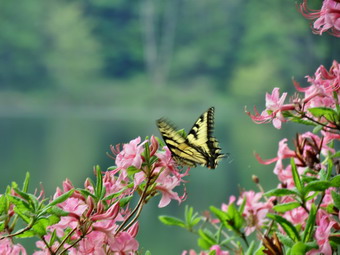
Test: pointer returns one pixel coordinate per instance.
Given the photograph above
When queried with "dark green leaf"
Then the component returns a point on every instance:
(286, 207)
(287, 226)
(172, 221)
(335, 239)
(280, 193)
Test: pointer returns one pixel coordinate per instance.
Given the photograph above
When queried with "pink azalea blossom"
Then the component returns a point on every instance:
(216, 248)
(274, 108)
(296, 216)
(123, 244)
(166, 186)
(131, 155)
(327, 19)
(322, 233)
(254, 211)
(8, 247)
(323, 84)
(92, 244)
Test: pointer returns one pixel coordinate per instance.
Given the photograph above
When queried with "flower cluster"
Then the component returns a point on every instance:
(326, 19)
(98, 219)
(323, 92)
(300, 215)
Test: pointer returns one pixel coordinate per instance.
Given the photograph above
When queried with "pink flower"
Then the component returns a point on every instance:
(123, 244)
(323, 84)
(322, 233)
(216, 248)
(166, 185)
(92, 244)
(131, 155)
(274, 109)
(8, 247)
(328, 18)
(254, 211)
(297, 215)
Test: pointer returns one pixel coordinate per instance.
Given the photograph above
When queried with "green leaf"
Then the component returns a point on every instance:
(26, 182)
(299, 248)
(2, 226)
(40, 226)
(335, 239)
(207, 237)
(191, 218)
(147, 252)
(61, 198)
(20, 205)
(172, 221)
(309, 229)
(328, 113)
(27, 234)
(285, 240)
(251, 249)
(22, 194)
(286, 207)
(131, 170)
(287, 226)
(114, 195)
(280, 193)
(302, 121)
(296, 176)
(99, 191)
(57, 211)
(3, 204)
(232, 219)
(335, 181)
(336, 198)
(316, 186)
(124, 201)
(317, 129)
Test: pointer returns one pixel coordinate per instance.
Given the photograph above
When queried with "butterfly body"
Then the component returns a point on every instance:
(198, 147)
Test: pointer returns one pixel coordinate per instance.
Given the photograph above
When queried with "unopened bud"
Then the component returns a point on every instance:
(255, 179)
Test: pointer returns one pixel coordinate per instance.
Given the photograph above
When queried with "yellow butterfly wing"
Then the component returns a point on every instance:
(181, 150)
(201, 137)
(199, 147)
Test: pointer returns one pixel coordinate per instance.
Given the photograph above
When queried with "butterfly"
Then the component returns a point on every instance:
(198, 147)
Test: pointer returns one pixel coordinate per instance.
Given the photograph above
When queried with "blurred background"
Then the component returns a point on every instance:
(77, 76)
